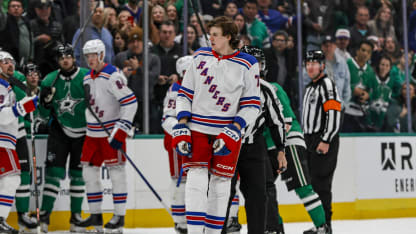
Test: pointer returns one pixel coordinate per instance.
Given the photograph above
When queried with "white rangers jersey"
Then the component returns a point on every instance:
(169, 108)
(110, 99)
(9, 122)
(219, 90)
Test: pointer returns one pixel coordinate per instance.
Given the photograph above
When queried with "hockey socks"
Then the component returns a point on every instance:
(218, 196)
(94, 188)
(312, 204)
(196, 199)
(178, 203)
(234, 206)
(8, 186)
(23, 193)
(51, 188)
(76, 190)
(118, 178)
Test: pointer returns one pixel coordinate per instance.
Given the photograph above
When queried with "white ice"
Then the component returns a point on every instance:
(367, 226)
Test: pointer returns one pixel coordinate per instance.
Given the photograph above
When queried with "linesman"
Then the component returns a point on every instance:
(321, 123)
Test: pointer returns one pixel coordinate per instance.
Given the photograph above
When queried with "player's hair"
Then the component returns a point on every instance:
(228, 28)
(168, 23)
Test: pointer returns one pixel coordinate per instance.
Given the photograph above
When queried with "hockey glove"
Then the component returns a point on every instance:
(24, 106)
(227, 141)
(118, 135)
(181, 140)
(46, 96)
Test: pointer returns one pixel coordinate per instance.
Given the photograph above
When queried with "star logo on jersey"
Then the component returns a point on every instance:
(68, 104)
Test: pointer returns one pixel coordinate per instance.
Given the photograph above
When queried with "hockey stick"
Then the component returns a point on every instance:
(87, 103)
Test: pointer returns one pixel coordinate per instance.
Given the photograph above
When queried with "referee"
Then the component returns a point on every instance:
(252, 159)
(321, 123)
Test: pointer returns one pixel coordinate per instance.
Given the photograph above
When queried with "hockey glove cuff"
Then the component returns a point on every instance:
(118, 135)
(227, 141)
(24, 106)
(46, 96)
(181, 140)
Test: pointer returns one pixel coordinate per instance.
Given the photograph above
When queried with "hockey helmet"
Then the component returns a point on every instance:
(95, 46)
(31, 67)
(63, 50)
(259, 55)
(182, 64)
(315, 55)
(6, 56)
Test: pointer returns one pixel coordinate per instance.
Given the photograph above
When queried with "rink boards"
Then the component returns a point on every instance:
(375, 178)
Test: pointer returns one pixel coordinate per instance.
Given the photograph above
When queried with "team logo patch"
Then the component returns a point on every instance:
(51, 156)
(2, 169)
(313, 98)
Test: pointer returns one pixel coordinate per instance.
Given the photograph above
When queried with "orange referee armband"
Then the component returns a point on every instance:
(332, 105)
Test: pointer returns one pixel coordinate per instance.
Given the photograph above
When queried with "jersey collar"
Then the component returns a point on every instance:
(96, 74)
(219, 57)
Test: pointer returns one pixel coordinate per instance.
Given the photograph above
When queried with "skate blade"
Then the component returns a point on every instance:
(24, 230)
(236, 232)
(113, 231)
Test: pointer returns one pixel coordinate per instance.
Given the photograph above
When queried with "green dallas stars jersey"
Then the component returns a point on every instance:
(361, 77)
(295, 134)
(380, 98)
(68, 102)
(20, 94)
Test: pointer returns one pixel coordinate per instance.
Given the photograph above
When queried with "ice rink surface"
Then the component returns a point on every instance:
(368, 226)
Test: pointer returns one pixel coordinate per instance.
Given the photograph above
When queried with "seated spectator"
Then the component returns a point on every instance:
(201, 37)
(342, 40)
(382, 25)
(18, 41)
(110, 19)
(120, 42)
(396, 116)
(241, 24)
(398, 70)
(230, 9)
(256, 30)
(193, 43)
(360, 30)
(381, 94)
(168, 51)
(47, 32)
(158, 15)
(392, 49)
(172, 15)
(125, 22)
(95, 31)
(273, 19)
(362, 78)
(131, 62)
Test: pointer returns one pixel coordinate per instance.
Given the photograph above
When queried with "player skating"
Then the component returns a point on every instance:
(219, 96)
(114, 104)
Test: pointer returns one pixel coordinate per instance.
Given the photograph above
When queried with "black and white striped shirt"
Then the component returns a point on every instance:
(322, 109)
(271, 115)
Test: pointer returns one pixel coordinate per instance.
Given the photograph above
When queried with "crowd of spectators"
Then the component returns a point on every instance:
(362, 41)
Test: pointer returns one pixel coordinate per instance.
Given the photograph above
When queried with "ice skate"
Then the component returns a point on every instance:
(74, 221)
(233, 226)
(278, 230)
(6, 228)
(115, 225)
(26, 224)
(44, 220)
(95, 220)
(180, 228)
(323, 229)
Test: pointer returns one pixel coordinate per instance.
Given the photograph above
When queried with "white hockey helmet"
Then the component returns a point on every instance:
(95, 46)
(182, 64)
(5, 55)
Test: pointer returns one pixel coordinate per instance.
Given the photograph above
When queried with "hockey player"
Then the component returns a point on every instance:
(175, 162)
(219, 96)
(23, 191)
(296, 176)
(114, 104)
(62, 98)
(10, 111)
(321, 122)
